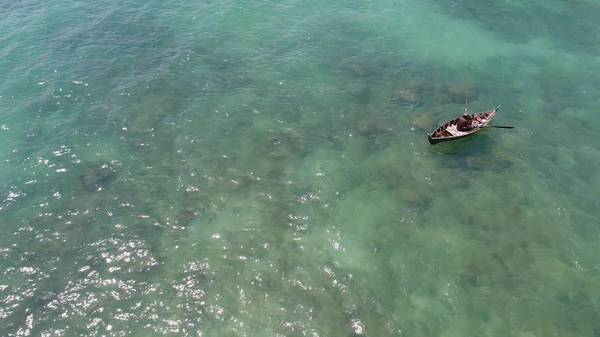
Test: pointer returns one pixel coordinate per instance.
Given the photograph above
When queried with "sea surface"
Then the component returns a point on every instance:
(261, 168)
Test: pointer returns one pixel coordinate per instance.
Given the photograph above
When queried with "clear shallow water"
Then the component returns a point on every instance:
(228, 169)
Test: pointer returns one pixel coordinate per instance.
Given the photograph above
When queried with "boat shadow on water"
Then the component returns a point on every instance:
(476, 153)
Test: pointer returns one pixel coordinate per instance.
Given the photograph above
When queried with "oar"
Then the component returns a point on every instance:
(499, 127)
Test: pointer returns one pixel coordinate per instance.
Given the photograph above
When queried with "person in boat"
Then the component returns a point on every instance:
(466, 123)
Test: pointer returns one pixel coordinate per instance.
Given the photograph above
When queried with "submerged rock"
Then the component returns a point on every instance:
(423, 120)
(409, 93)
(406, 95)
(96, 177)
(481, 163)
(458, 91)
(414, 197)
(373, 128)
(284, 143)
(378, 133)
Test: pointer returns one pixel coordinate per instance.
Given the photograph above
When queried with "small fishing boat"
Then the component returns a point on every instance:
(448, 130)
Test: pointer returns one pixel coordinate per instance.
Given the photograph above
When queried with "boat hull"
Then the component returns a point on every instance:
(448, 132)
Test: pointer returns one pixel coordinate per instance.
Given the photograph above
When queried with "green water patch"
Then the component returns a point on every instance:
(525, 21)
(119, 33)
(268, 182)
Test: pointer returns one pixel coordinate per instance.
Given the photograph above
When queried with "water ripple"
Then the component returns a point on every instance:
(225, 169)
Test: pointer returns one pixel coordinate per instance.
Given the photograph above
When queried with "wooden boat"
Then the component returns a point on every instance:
(447, 131)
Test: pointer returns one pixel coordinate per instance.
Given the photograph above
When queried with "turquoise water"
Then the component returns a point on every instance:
(229, 168)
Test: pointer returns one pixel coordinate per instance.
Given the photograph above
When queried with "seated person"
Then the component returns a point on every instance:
(466, 123)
